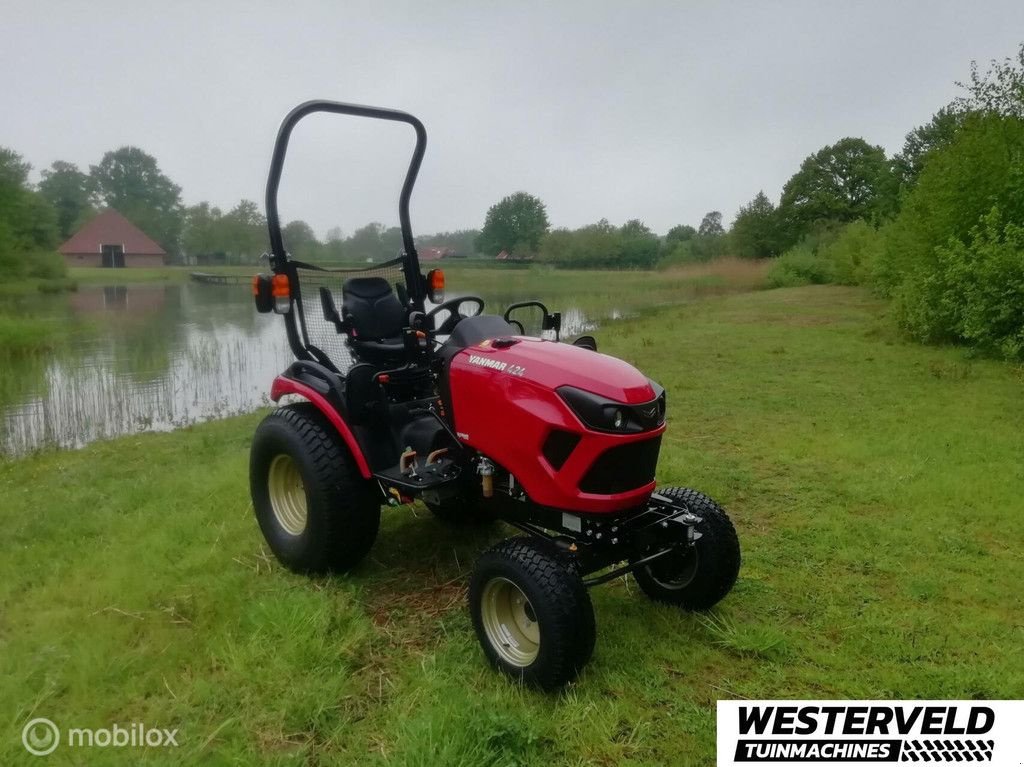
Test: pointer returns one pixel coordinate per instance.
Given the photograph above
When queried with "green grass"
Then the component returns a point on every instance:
(29, 286)
(20, 336)
(597, 291)
(27, 336)
(876, 486)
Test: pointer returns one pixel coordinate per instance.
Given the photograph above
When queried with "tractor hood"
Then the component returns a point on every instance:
(539, 410)
(550, 364)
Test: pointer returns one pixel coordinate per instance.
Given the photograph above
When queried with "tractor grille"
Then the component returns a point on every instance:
(318, 331)
(623, 468)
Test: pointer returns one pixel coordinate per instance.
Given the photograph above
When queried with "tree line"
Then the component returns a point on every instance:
(131, 181)
(518, 226)
(36, 218)
(940, 228)
(850, 180)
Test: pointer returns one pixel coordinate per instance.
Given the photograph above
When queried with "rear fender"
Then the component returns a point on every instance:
(283, 385)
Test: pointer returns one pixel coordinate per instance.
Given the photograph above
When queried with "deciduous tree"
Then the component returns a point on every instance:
(1000, 90)
(515, 224)
(28, 224)
(130, 181)
(204, 231)
(69, 191)
(711, 224)
(680, 233)
(755, 232)
(246, 228)
(921, 142)
(300, 239)
(845, 181)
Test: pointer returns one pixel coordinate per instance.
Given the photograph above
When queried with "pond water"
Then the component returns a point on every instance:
(150, 357)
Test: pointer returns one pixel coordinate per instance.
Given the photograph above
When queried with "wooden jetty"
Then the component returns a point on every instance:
(219, 279)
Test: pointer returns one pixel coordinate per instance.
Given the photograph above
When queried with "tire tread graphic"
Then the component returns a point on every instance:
(948, 751)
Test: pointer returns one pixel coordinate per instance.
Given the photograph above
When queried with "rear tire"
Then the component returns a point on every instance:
(531, 613)
(700, 577)
(316, 511)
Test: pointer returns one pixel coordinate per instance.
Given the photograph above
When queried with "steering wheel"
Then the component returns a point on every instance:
(454, 318)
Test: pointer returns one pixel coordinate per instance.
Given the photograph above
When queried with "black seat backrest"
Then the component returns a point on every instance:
(472, 330)
(372, 308)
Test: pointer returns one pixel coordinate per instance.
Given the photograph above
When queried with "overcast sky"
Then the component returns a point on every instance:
(657, 111)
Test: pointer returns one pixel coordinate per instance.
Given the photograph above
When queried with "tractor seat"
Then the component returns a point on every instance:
(375, 317)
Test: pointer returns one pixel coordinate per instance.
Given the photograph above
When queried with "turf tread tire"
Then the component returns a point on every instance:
(343, 512)
(559, 599)
(718, 551)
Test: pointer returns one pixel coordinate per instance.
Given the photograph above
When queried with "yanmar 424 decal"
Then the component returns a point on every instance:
(498, 365)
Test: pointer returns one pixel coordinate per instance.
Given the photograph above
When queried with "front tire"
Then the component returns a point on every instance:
(316, 511)
(699, 577)
(531, 613)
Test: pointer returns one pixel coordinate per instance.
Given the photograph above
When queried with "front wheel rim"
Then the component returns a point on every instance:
(510, 622)
(287, 494)
(673, 576)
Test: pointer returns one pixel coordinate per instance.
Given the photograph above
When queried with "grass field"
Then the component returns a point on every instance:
(877, 487)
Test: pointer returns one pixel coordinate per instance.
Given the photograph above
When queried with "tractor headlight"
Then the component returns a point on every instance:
(608, 415)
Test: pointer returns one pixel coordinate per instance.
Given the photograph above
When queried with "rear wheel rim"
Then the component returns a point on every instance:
(287, 494)
(510, 622)
(673, 574)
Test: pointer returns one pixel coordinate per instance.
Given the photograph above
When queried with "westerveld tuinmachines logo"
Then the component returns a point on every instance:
(781, 732)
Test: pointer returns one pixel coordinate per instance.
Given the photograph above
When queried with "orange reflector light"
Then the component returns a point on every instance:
(255, 284)
(436, 280)
(281, 291)
(280, 287)
(435, 286)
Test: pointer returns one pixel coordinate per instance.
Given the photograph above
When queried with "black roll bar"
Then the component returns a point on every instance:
(278, 258)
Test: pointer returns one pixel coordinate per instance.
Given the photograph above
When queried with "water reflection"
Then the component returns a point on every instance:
(154, 358)
(159, 357)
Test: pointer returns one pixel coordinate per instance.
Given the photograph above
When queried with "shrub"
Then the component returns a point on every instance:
(853, 253)
(975, 293)
(680, 254)
(10, 256)
(601, 246)
(799, 265)
(982, 167)
(46, 265)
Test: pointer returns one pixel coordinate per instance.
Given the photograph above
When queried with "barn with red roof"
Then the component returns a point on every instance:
(111, 240)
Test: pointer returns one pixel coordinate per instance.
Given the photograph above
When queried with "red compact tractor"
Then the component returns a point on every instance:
(406, 395)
